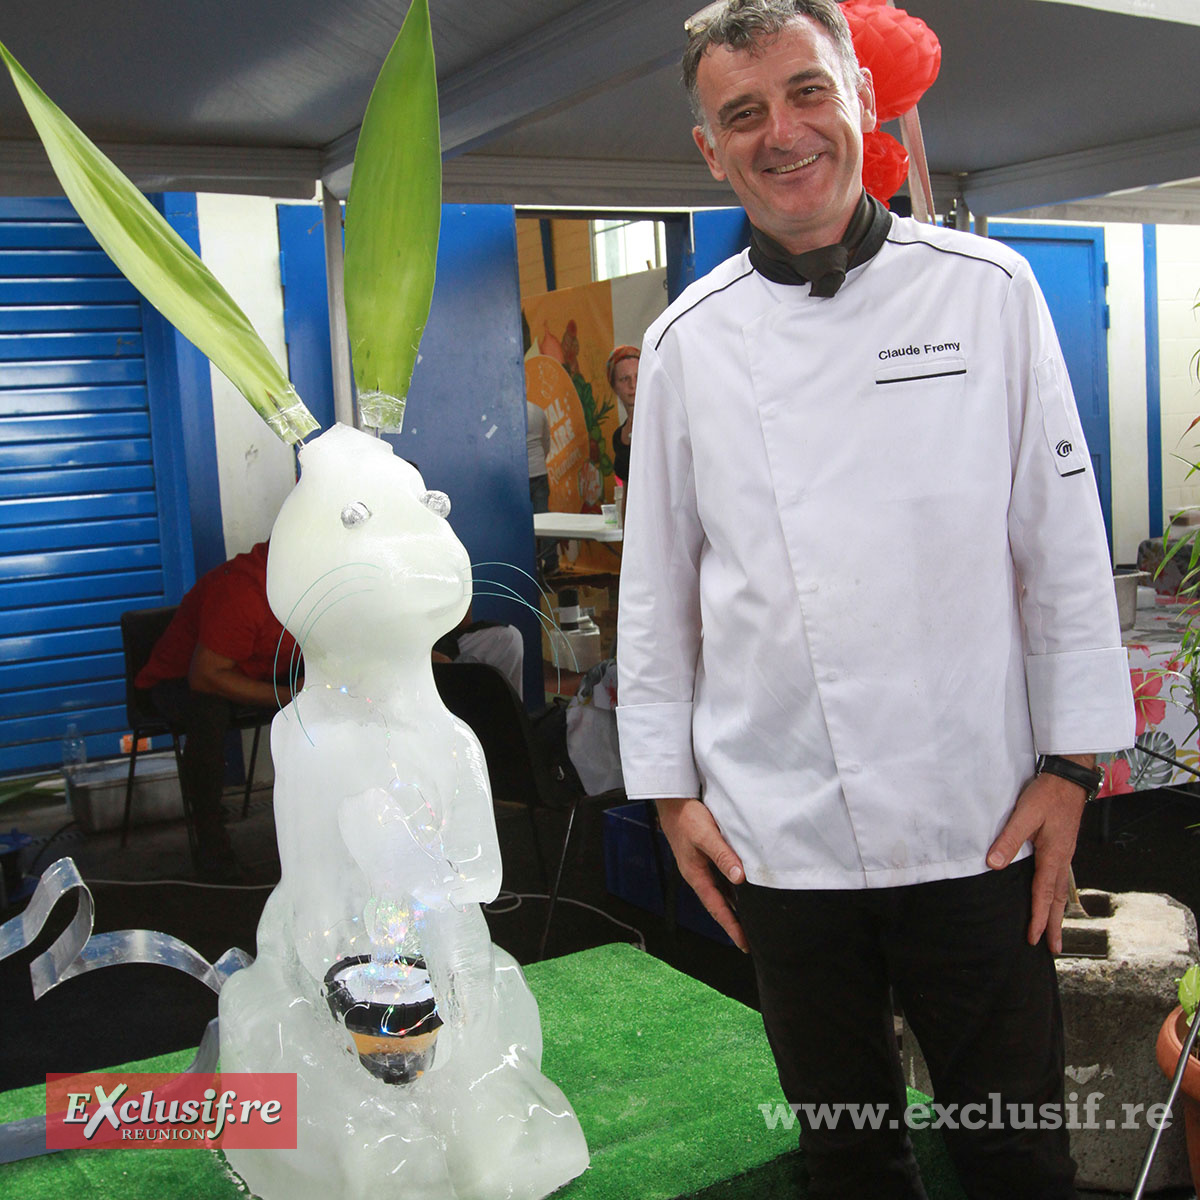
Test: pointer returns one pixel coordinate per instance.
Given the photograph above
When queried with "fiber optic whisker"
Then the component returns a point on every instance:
(312, 624)
(301, 634)
(545, 596)
(287, 623)
(520, 570)
(509, 594)
(546, 622)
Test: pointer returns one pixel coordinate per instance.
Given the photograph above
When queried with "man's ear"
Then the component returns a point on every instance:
(866, 100)
(705, 146)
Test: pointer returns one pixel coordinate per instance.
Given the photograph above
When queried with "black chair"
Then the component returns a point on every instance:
(481, 697)
(140, 630)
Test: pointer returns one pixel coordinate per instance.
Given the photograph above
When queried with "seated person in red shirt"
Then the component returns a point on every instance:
(224, 650)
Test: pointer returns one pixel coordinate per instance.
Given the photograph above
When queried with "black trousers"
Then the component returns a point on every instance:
(982, 1002)
(206, 721)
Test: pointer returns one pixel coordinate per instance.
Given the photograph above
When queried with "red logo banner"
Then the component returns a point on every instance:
(113, 1110)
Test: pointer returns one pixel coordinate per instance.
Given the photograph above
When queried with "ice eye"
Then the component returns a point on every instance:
(355, 514)
(438, 503)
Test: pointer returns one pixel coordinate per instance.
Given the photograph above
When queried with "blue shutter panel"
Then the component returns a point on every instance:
(80, 539)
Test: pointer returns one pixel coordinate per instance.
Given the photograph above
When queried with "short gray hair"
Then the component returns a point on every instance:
(745, 24)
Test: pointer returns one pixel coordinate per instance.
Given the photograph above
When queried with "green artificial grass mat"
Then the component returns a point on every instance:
(666, 1083)
(105, 1174)
(665, 1074)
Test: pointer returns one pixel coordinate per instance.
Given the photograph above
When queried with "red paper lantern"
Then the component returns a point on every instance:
(902, 53)
(885, 165)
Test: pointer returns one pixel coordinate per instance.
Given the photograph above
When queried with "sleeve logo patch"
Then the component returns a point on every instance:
(1064, 449)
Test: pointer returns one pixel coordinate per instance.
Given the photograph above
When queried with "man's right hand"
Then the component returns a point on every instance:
(699, 848)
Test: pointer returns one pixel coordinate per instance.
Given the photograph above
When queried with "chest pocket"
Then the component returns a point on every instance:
(922, 425)
(938, 377)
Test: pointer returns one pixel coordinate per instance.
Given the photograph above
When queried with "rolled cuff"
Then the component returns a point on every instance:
(656, 751)
(1081, 701)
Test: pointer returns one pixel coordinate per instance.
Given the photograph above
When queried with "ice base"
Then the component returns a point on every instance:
(482, 1124)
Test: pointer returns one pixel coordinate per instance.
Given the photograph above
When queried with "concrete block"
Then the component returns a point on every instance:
(1112, 1009)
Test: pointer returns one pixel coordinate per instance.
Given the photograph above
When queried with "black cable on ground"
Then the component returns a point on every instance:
(48, 843)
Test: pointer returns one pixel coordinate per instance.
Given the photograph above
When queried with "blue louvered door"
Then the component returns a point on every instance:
(80, 539)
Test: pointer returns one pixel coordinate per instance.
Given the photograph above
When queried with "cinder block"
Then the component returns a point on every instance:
(1112, 1009)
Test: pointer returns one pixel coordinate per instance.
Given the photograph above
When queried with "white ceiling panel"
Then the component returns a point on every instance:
(1185, 11)
(548, 101)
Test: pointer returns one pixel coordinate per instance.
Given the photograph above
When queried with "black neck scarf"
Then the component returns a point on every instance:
(825, 268)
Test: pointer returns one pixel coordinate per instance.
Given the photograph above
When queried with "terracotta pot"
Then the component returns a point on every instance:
(1170, 1044)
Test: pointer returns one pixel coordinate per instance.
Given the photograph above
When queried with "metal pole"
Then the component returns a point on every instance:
(339, 335)
(920, 189)
(1148, 1161)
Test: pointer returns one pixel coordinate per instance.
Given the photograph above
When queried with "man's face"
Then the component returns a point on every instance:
(625, 381)
(787, 133)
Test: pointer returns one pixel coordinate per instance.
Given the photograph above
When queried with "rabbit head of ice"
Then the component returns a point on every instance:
(362, 557)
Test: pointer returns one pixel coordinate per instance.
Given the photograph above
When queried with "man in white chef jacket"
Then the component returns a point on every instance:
(865, 586)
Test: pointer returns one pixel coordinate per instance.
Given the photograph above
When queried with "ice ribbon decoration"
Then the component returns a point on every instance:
(76, 952)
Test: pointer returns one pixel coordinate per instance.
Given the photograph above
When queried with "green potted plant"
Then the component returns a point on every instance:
(1178, 1055)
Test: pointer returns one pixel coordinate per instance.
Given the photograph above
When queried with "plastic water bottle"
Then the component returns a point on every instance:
(74, 751)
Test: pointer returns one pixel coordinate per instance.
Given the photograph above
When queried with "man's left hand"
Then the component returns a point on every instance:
(1047, 813)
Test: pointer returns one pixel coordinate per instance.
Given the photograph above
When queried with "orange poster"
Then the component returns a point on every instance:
(547, 384)
(571, 331)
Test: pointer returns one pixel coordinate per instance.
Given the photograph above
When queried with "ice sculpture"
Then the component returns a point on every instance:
(416, 1042)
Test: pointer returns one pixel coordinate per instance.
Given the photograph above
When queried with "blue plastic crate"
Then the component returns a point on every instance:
(630, 873)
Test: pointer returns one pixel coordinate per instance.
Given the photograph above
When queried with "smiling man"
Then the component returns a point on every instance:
(785, 131)
(870, 755)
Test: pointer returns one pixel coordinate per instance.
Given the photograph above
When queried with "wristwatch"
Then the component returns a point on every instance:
(1088, 778)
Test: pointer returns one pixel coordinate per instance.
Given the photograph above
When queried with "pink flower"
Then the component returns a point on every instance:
(1116, 778)
(1149, 709)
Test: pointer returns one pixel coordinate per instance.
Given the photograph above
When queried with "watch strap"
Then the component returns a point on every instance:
(1088, 778)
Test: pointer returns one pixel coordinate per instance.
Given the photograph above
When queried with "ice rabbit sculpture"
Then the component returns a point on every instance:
(387, 843)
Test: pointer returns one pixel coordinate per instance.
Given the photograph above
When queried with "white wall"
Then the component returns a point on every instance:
(1179, 339)
(239, 241)
(1127, 388)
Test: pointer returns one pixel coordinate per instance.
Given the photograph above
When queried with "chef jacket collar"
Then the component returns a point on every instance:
(825, 267)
